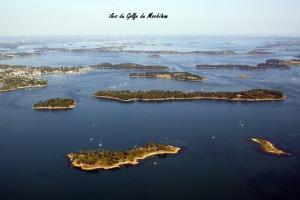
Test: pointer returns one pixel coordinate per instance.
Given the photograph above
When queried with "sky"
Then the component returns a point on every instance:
(188, 17)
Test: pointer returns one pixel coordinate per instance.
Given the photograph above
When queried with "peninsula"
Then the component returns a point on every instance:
(160, 95)
(55, 104)
(182, 76)
(13, 77)
(106, 159)
(22, 70)
(268, 147)
(10, 84)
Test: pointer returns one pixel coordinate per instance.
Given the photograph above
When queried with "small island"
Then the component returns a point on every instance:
(160, 95)
(106, 159)
(55, 104)
(268, 147)
(182, 76)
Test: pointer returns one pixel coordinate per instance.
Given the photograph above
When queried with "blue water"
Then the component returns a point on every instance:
(217, 161)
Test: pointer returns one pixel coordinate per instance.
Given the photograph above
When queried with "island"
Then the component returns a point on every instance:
(268, 147)
(183, 76)
(160, 95)
(55, 104)
(245, 76)
(106, 159)
(269, 64)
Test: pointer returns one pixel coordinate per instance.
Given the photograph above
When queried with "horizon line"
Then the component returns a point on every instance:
(161, 34)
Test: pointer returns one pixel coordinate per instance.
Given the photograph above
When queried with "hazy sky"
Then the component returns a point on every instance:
(90, 17)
